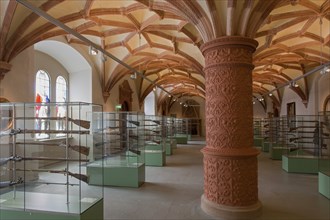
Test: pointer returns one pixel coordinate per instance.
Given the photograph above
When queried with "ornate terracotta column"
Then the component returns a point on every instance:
(230, 161)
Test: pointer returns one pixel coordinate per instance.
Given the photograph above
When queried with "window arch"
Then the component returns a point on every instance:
(42, 89)
(61, 96)
(61, 89)
(42, 85)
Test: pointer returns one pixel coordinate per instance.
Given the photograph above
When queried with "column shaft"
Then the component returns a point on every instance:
(230, 161)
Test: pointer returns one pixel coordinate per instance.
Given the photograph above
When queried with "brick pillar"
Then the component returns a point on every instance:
(230, 161)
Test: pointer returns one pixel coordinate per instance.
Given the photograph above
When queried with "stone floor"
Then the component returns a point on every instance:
(173, 191)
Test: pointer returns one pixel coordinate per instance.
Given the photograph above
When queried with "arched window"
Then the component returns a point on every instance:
(61, 97)
(61, 89)
(42, 84)
(42, 96)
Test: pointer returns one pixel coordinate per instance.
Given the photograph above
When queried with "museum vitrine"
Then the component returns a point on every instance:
(170, 139)
(258, 131)
(43, 158)
(181, 130)
(122, 144)
(276, 135)
(324, 158)
(155, 140)
(310, 136)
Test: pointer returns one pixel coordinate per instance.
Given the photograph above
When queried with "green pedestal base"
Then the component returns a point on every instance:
(155, 158)
(130, 175)
(277, 152)
(51, 207)
(173, 145)
(266, 146)
(300, 164)
(324, 184)
(168, 149)
(258, 141)
(181, 139)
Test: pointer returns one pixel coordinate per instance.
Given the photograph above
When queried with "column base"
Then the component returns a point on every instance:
(230, 212)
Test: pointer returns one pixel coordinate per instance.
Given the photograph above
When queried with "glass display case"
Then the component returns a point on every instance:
(258, 132)
(43, 158)
(170, 139)
(324, 176)
(324, 159)
(123, 147)
(181, 130)
(309, 136)
(155, 140)
(278, 134)
(268, 133)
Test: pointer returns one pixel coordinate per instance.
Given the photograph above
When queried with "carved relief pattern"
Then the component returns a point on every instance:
(229, 107)
(231, 181)
(233, 54)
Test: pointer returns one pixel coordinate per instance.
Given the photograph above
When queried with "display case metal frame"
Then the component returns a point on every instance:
(170, 139)
(123, 146)
(324, 160)
(311, 144)
(181, 130)
(155, 140)
(276, 138)
(47, 163)
(258, 132)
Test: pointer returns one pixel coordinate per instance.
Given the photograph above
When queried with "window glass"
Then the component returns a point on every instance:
(61, 98)
(61, 89)
(42, 98)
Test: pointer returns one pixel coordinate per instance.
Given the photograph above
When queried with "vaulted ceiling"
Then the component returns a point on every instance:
(162, 38)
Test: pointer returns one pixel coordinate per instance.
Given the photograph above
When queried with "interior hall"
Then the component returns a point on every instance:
(165, 109)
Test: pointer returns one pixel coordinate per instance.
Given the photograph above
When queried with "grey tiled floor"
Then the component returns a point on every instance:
(174, 191)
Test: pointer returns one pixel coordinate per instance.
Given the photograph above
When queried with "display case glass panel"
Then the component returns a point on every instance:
(155, 132)
(122, 144)
(308, 138)
(324, 159)
(43, 159)
(309, 134)
(181, 126)
(169, 127)
(123, 138)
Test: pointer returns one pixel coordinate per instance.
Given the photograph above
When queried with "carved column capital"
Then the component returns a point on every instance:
(230, 41)
(229, 51)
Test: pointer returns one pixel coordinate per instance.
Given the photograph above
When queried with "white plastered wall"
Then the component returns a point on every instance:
(81, 86)
(18, 83)
(319, 90)
(258, 110)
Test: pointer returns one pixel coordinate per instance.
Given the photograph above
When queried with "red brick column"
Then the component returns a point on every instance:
(230, 161)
